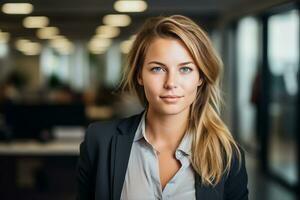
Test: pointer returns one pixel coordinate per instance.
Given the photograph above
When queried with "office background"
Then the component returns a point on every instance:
(61, 63)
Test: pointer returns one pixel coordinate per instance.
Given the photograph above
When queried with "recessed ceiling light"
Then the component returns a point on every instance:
(31, 53)
(106, 31)
(47, 32)
(117, 20)
(27, 47)
(62, 45)
(4, 37)
(125, 46)
(133, 37)
(99, 44)
(130, 6)
(35, 22)
(20, 44)
(17, 8)
(60, 38)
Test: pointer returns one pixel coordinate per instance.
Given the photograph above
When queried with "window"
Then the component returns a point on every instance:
(283, 58)
(248, 50)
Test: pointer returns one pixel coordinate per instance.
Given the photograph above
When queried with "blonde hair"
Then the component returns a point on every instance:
(213, 146)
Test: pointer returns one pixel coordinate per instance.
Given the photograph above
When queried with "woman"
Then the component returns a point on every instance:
(178, 148)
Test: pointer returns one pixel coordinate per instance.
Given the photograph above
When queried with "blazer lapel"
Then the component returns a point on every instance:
(122, 144)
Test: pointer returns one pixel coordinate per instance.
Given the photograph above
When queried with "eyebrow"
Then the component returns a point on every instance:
(159, 63)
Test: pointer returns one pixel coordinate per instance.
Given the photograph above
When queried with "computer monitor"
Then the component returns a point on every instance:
(30, 121)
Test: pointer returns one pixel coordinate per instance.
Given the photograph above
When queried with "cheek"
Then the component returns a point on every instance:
(151, 89)
(152, 83)
(190, 86)
(193, 94)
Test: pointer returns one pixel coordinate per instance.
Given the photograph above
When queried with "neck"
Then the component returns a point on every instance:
(166, 131)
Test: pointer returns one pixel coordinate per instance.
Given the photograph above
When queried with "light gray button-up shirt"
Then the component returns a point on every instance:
(142, 181)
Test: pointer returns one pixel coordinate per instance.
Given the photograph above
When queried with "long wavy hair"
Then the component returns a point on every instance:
(213, 146)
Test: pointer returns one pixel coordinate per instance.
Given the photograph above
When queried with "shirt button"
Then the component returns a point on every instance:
(178, 154)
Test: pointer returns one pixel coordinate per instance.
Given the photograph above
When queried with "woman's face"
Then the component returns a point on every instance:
(169, 76)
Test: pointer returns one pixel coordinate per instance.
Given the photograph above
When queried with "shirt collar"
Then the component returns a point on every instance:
(140, 132)
(186, 143)
(184, 146)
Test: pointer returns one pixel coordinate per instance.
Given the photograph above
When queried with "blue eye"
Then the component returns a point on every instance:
(157, 69)
(185, 70)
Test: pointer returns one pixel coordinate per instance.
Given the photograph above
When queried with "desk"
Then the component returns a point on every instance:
(35, 148)
(36, 170)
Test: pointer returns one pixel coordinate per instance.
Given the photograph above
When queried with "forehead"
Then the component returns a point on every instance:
(167, 50)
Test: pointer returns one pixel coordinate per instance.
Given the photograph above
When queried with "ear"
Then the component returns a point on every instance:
(139, 79)
(200, 82)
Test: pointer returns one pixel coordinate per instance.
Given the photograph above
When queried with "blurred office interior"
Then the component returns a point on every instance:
(61, 64)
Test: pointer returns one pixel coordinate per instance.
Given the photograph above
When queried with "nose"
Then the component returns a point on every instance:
(171, 81)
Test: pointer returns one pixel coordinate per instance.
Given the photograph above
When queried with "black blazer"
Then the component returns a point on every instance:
(103, 161)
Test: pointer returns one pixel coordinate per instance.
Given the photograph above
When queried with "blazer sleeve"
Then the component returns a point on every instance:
(237, 180)
(85, 186)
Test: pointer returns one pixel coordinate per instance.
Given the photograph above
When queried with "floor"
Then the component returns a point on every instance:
(261, 187)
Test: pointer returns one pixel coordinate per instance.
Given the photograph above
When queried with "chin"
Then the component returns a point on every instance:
(171, 109)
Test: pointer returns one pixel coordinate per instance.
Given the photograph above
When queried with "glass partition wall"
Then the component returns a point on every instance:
(248, 76)
(267, 91)
(283, 62)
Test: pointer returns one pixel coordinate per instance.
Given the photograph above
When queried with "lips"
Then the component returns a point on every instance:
(170, 98)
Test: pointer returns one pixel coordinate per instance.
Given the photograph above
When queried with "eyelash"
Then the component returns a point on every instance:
(155, 69)
(190, 69)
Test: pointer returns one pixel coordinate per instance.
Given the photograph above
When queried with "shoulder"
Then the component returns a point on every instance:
(104, 130)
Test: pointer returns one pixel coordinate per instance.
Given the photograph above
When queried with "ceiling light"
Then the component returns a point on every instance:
(20, 44)
(59, 43)
(62, 45)
(4, 37)
(59, 38)
(117, 20)
(107, 31)
(66, 49)
(35, 22)
(133, 37)
(130, 6)
(99, 43)
(97, 48)
(125, 46)
(17, 8)
(31, 53)
(47, 32)
(28, 47)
